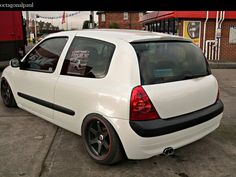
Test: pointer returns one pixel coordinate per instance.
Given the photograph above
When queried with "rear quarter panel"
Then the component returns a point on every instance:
(108, 96)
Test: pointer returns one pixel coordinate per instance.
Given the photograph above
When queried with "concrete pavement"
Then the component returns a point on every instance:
(24, 142)
(32, 147)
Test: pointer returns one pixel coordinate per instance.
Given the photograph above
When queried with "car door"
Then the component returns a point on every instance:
(36, 78)
(85, 65)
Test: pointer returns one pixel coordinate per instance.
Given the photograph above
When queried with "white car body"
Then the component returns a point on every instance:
(110, 96)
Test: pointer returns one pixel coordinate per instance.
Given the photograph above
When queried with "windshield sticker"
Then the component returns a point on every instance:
(79, 58)
(79, 54)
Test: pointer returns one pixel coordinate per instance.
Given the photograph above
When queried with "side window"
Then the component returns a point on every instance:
(88, 58)
(45, 56)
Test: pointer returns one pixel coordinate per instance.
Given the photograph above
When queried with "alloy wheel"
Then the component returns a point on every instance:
(98, 139)
(5, 91)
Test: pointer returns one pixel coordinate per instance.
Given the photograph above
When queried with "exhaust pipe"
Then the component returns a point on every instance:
(168, 151)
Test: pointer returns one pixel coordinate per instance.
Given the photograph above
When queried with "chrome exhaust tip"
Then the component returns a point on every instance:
(168, 151)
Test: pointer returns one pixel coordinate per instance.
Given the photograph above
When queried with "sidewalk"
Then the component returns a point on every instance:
(222, 65)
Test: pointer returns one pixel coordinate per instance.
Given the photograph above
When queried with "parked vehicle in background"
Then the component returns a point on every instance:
(128, 93)
(12, 35)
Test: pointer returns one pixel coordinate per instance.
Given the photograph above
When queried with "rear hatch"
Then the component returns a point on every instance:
(175, 76)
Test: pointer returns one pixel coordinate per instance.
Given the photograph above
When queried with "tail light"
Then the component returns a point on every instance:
(141, 107)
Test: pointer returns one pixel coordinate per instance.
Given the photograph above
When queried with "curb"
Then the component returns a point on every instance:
(222, 65)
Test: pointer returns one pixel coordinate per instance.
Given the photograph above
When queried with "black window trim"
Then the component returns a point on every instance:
(94, 39)
(38, 70)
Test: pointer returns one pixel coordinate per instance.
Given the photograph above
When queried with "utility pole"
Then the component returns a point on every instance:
(35, 27)
(91, 19)
(27, 26)
(130, 22)
(67, 22)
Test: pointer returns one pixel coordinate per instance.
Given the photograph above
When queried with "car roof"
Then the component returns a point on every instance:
(124, 34)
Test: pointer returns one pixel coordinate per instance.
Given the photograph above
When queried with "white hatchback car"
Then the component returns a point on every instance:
(128, 93)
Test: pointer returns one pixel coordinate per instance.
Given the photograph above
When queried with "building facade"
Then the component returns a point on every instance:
(213, 31)
(122, 20)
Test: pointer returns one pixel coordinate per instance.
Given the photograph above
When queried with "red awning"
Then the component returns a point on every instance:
(159, 15)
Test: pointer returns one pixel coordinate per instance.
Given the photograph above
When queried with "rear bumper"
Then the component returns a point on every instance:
(159, 127)
(137, 147)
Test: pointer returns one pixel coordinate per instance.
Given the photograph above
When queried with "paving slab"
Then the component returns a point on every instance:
(24, 143)
(222, 65)
(12, 112)
(214, 155)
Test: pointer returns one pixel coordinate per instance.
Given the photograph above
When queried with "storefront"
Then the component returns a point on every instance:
(213, 31)
(169, 26)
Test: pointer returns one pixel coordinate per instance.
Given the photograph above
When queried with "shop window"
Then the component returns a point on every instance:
(162, 26)
(126, 15)
(171, 26)
(152, 27)
(232, 35)
(176, 26)
(146, 27)
(103, 17)
(166, 26)
(158, 26)
(149, 27)
(140, 15)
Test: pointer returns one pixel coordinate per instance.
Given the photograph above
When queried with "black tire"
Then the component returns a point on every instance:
(105, 137)
(6, 93)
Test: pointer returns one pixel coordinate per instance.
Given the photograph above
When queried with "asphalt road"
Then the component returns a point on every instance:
(32, 147)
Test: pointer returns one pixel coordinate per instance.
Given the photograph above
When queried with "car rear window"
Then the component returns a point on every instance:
(161, 62)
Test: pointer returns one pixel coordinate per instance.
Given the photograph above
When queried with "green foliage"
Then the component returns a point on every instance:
(114, 25)
(45, 28)
(86, 24)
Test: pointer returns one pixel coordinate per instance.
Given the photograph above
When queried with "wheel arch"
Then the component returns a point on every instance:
(110, 122)
(97, 115)
(5, 77)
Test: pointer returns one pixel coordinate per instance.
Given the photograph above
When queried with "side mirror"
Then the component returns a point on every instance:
(15, 62)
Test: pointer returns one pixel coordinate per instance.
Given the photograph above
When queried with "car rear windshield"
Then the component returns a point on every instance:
(162, 62)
